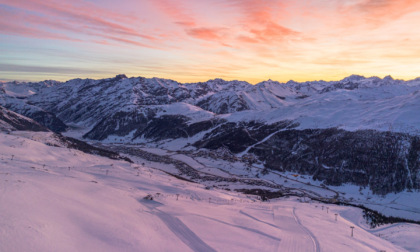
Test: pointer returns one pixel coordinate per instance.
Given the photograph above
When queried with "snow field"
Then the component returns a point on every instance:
(56, 199)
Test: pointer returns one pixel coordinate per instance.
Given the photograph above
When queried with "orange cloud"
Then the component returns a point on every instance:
(205, 33)
(272, 31)
(380, 12)
(247, 39)
(257, 20)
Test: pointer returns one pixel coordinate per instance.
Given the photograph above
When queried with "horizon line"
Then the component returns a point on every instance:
(215, 78)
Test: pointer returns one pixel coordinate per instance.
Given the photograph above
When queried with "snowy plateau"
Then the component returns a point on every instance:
(138, 164)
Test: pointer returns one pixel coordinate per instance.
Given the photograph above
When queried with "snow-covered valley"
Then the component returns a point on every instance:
(59, 199)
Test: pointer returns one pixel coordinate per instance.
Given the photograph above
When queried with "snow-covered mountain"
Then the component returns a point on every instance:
(358, 130)
(14, 95)
(10, 121)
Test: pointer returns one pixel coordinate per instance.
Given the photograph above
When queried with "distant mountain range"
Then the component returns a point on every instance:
(364, 131)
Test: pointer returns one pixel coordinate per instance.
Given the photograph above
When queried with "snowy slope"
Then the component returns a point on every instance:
(56, 199)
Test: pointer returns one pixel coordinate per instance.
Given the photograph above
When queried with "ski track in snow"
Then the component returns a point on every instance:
(302, 238)
(260, 142)
(311, 235)
(185, 234)
(252, 230)
(256, 219)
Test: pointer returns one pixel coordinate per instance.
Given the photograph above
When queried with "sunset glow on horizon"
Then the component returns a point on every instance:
(197, 40)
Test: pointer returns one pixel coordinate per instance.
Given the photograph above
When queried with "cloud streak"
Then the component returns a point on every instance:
(47, 69)
(75, 18)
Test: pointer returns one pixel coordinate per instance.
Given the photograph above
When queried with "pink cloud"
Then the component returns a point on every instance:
(132, 42)
(11, 24)
(186, 23)
(78, 17)
(178, 12)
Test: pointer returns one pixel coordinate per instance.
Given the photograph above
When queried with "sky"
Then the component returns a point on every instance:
(197, 40)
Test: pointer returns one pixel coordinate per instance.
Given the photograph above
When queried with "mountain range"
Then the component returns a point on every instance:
(362, 131)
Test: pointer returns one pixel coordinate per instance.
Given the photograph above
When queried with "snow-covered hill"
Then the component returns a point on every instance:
(57, 199)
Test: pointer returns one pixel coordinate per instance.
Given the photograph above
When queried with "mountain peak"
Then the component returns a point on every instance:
(353, 77)
(291, 82)
(120, 77)
(388, 78)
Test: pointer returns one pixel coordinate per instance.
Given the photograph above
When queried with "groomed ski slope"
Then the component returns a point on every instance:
(57, 199)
